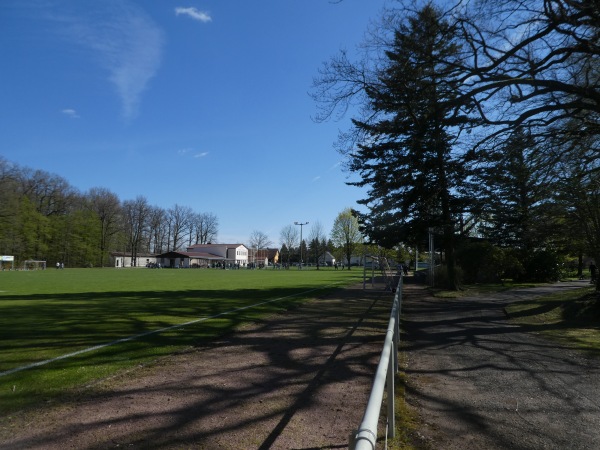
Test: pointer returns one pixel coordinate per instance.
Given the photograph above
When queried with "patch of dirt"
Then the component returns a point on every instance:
(299, 380)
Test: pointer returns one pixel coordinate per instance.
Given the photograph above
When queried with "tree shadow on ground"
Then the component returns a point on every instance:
(295, 373)
(469, 367)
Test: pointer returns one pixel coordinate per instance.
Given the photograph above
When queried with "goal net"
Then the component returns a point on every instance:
(33, 264)
(380, 265)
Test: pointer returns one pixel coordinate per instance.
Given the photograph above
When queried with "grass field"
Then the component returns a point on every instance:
(55, 313)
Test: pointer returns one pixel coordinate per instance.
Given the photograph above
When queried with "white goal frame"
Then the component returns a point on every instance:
(34, 264)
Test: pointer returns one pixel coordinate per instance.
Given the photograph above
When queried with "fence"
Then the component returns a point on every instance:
(365, 438)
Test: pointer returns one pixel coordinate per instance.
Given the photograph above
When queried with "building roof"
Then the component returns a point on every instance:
(197, 255)
(138, 254)
(215, 245)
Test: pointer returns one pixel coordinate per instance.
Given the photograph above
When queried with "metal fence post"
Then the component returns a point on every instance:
(391, 400)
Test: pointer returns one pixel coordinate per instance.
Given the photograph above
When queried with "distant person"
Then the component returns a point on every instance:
(593, 272)
(57, 265)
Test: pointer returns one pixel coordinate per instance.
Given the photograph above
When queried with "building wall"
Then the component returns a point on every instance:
(239, 253)
(141, 261)
(327, 258)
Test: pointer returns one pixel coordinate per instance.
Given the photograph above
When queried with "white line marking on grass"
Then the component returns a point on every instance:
(138, 336)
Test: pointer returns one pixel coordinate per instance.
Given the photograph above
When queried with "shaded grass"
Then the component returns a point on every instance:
(571, 318)
(46, 314)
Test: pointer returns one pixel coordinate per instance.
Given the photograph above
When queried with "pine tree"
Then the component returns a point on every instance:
(515, 188)
(407, 159)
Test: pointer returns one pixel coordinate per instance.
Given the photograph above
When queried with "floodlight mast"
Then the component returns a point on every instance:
(301, 225)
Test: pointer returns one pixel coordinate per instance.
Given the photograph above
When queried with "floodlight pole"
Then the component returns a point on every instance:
(301, 225)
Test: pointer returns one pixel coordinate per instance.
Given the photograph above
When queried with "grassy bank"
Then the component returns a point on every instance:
(571, 318)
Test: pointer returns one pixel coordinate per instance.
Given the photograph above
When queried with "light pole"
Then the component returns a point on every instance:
(301, 225)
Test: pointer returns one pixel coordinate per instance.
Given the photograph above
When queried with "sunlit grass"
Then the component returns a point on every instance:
(407, 420)
(47, 314)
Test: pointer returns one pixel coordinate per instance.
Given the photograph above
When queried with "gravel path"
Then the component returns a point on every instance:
(479, 382)
(299, 380)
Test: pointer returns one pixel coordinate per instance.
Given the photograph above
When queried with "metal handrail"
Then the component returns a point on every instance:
(365, 438)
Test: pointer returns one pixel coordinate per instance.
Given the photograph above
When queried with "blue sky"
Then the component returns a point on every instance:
(203, 104)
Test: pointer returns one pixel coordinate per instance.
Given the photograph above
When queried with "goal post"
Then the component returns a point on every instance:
(34, 264)
(379, 264)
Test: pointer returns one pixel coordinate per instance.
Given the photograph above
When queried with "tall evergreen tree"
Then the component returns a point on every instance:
(407, 158)
(578, 192)
(515, 188)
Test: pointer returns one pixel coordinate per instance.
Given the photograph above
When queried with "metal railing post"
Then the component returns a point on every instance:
(366, 436)
(391, 400)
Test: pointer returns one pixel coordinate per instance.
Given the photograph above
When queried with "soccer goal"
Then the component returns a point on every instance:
(380, 264)
(33, 264)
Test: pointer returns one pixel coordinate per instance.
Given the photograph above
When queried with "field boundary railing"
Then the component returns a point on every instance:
(365, 438)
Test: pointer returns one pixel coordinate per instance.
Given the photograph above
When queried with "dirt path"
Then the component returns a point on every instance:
(481, 383)
(295, 381)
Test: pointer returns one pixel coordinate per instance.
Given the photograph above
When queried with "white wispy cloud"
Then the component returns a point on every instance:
(125, 42)
(194, 13)
(70, 113)
(188, 150)
(317, 178)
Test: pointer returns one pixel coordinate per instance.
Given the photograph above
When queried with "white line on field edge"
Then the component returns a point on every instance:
(137, 336)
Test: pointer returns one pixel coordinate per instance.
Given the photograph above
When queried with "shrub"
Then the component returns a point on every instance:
(542, 266)
(470, 256)
(483, 262)
(440, 275)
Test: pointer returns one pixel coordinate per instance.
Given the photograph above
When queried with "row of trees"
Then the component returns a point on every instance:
(476, 125)
(43, 217)
(344, 241)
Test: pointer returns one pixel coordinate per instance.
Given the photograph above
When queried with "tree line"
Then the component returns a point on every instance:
(480, 128)
(345, 241)
(43, 217)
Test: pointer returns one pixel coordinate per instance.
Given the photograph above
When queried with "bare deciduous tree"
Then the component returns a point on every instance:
(536, 64)
(259, 240)
(107, 208)
(205, 228)
(158, 230)
(136, 213)
(179, 218)
(289, 238)
(317, 239)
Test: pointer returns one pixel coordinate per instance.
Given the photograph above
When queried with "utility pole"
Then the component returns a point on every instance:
(301, 225)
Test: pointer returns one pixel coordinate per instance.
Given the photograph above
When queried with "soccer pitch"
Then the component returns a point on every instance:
(61, 329)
